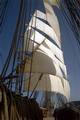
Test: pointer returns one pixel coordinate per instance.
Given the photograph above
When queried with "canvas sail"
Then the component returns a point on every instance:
(45, 68)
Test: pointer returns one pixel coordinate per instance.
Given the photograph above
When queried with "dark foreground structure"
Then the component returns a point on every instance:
(16, 107)
(70, 111)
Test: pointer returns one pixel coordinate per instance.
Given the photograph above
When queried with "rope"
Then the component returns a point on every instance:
(1, 59)
(3, 11)
(22, 55)
(41, 73)
(16, 45)
(31, 60)
(28, 32)
(75, 16)
(36, 84)
(6, 65)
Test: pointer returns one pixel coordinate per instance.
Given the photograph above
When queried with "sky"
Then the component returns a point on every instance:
(7, 30)
(71, 54)
(69, 46)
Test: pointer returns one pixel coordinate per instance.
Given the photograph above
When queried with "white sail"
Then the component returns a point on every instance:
(48, 83)
(44, 28)
(45, 55)
(52, 19)
(46, 62)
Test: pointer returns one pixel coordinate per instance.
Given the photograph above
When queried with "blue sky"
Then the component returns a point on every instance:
(7, 30)
(71, 55)
(69, 46)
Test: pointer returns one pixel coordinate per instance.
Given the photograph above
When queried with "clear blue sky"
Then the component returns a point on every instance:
(70, 49)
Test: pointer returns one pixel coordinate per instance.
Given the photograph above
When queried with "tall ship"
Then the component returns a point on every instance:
(35, 68)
